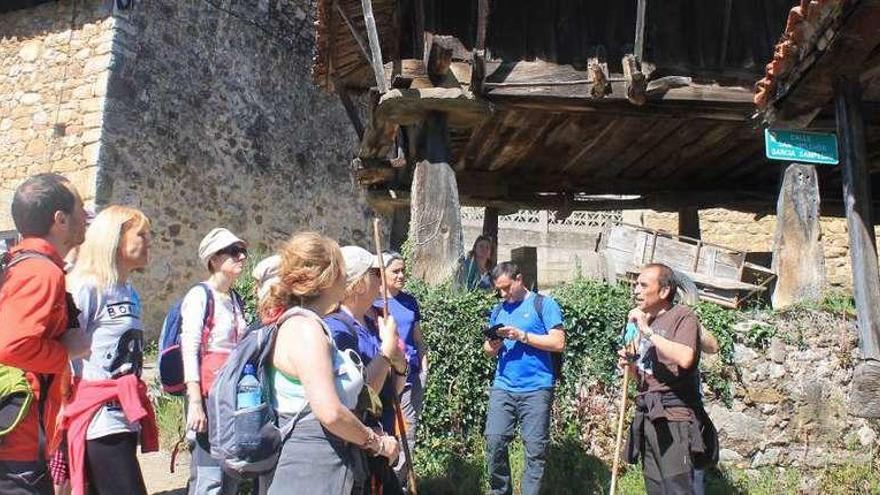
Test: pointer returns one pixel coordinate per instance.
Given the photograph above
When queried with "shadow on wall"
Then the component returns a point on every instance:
(52, 17)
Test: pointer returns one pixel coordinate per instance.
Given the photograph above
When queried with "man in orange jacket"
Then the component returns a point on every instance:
(48, 213)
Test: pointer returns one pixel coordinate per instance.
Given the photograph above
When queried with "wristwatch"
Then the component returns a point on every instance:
(525, 337)
(648, 333)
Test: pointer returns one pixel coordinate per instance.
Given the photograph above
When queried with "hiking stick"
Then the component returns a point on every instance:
(620, 421)
(395, 402)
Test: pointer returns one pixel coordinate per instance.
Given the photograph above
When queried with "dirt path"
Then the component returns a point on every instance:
(156, 465)
(157, 477)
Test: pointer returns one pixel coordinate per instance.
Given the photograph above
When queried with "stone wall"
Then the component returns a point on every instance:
(53, 77)
(561, 255)
(212, 120)
(200, 113)
(791, 398)
(747, 232)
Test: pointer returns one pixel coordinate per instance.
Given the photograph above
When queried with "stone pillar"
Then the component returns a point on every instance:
(798, 259)
(435, 222)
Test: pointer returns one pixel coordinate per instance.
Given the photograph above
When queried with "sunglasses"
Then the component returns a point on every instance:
(234, 251)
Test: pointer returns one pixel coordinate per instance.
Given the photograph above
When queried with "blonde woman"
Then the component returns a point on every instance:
(315, 383)
(101, 436)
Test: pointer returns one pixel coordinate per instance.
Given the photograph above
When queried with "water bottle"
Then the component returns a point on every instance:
(248, 418)
(250, 393)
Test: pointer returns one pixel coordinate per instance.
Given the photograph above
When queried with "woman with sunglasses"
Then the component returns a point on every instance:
(212, 320)
(354, 326)
(315, 383)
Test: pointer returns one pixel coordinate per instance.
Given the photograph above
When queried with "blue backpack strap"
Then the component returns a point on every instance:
(538, 301)
(495, 312)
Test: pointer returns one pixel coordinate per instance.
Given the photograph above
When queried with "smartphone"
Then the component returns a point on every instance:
(491, 333)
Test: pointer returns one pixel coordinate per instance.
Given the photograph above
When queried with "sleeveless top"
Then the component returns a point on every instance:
(289, 396)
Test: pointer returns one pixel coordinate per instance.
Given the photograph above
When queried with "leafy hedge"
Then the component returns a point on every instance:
(460, 375)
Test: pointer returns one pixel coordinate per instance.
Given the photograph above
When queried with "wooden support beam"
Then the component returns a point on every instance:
(639, 45)
(598, 71)
(350, 109)
(490, 228)
(478, 71)
(435, 223)
(419, 30)
(798, 258)
(354, 34)
(661, 201)
(689, 222)
(725, 34)
(375, 47)
(636, 83)
(865, 395)
(370, 171)
(399, 228)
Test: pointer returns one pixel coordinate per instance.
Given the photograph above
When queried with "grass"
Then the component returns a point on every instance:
(570, 470)
(171, 420)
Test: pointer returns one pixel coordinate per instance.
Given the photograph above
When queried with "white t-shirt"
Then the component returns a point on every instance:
(113, 319)
(229, 324)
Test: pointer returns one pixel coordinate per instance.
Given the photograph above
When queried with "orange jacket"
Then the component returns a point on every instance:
(33, 317)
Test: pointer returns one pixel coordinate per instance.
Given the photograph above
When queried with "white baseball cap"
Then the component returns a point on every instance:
(357, 261)
(216, 240)
(266, 274)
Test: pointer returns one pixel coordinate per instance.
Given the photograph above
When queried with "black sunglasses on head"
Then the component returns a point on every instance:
(234, 251)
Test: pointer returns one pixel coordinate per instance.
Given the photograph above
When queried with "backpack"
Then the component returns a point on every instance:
(250, 457)
(16, 394)
(558, 358)
(170, 363)
(247, 442)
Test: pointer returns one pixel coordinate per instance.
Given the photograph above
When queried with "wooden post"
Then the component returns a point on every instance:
(865, 395)
(490, 228)
(639, 46)
(526, 258)
(435, 223)
(399, 228)
(689, 222)
(798, 258)
(375, 47)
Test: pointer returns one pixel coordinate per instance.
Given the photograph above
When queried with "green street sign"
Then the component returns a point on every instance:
(800, 146)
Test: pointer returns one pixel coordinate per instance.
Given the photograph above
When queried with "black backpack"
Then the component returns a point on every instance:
(558, 358)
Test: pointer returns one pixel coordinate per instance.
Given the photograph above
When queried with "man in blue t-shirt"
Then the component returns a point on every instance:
(522, 392)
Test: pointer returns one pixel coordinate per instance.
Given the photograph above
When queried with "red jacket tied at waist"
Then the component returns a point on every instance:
(89, 397)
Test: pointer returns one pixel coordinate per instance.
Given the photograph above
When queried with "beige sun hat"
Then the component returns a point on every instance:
(357, 261)
(216, 240)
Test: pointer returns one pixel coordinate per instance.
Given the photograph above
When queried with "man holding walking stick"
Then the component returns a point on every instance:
(525, 331)
(670, 431)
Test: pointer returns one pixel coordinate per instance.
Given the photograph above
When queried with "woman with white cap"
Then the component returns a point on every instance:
(213, 319)
(265, 275)
(354, 326)
(315, 384)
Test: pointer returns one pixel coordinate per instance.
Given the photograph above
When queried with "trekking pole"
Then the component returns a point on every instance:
(620, 421)
(395, 402)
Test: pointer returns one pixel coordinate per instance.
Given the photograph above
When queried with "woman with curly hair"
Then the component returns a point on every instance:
(314, 383)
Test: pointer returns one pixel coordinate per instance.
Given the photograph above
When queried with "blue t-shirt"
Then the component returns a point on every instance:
(405, 310)
(521, 367)
(366, 342)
